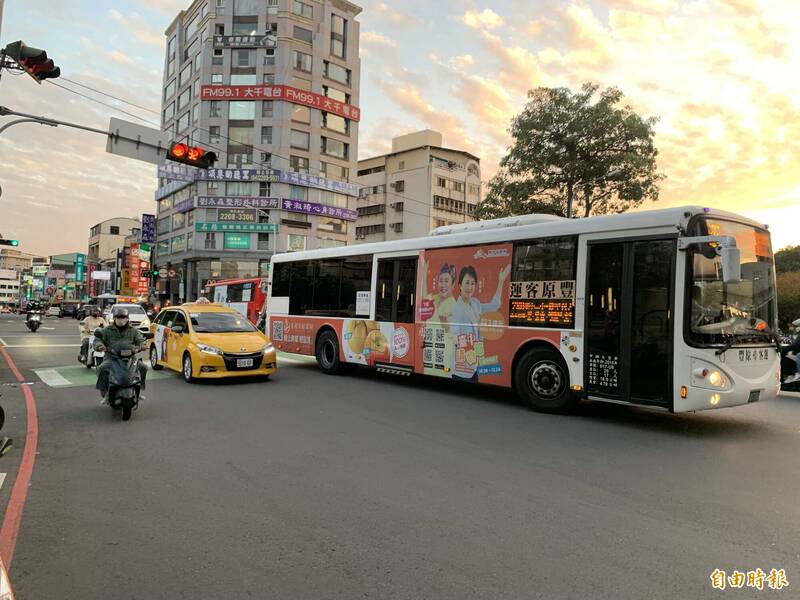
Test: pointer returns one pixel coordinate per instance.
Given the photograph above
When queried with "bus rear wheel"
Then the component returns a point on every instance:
(541, 381)
(328, 353)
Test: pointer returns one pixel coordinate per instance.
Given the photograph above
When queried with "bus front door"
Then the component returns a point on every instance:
(629, 308)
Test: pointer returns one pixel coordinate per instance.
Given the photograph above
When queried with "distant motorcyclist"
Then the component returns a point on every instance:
(795, 348)
(118, 331)
(93, 321)
(34, 307)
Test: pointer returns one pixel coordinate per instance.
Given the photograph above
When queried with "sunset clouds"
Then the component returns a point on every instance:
(721, 75)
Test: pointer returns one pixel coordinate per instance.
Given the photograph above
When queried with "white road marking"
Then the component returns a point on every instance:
(2, 479)
(43, 345)
(49, 328)
(2, 342)
(52, 378)
(295, 359)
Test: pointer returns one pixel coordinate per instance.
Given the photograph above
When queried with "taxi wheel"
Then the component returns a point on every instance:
(187, 368)
(154, 359)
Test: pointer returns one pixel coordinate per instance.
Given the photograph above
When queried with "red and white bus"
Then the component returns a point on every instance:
(244, 295)
(672, 308)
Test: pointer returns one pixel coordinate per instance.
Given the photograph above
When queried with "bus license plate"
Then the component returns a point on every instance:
(754, 396)
(242, 363)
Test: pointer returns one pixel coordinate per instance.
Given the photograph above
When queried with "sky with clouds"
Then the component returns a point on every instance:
(721, 75)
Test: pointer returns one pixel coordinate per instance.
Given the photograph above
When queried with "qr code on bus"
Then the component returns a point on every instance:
(427, 355)
(440, 336)
(428, 334)
(277, 330)
(440, 357)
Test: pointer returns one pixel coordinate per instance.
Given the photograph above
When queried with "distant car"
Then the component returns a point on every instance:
(53, 311)
(138, 317)
(69, 310)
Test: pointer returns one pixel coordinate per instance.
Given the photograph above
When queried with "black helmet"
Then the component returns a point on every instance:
(121, 317)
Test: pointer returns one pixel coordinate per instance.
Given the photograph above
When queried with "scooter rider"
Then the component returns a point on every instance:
(88, 325)
(119, 330)
(795, 348)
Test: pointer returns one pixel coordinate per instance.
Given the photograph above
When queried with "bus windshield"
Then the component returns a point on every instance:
(743, 312)
(212, 322)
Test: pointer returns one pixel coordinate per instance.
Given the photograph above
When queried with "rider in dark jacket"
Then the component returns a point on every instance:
(119, 330)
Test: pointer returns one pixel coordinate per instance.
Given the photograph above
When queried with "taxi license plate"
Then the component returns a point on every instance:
(242, 363)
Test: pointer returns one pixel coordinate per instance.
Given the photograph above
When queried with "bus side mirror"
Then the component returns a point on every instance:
(731, 264)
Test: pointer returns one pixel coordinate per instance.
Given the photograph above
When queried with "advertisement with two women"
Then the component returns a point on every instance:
(463, 311)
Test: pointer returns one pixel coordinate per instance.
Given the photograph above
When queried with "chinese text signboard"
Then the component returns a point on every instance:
(254, 227)
(544, 303)
(276, 176)
(245, 41)
(237, 202)
(236, 241)
(148, 229)
(312, 208)
(92, 280)
(286, 93)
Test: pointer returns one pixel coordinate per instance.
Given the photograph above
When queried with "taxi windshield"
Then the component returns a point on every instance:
(742, 312)
(212, 322)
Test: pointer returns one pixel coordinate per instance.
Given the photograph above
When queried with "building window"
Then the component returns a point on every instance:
(337, 73)
(213, 134)
(332, 198)
(264, 188)
(299, 164)
(266, 135)
(238, 160)
(441, 182)
(212, 188)
(300, 139)
(215, 108)
(114, 229)
(183, 121)
(335, 148)
(266, 109)
(296, 243)
(269, 78)
(169, 112)
(332, 225)
(178, 243)
(178, 221)
(242, 110)
(338, 36)
(297, 192)
(210, 243)
(303, 9)
(217, 57)
(269, 57)
(186, 74)
(240, 27)
(190, 218)
(303, 34)
(335, 94)
(242, 58)
(171, 68)
(301, 114)
(162, 249)
(237, 188)
(369, 230)
(370, 171)
(302, 61)
(242, 136)
(184, 98)
(171, 48)
(169, 91)
(332, 171)
(243, 79)
(458, 186)
(219, 29)
(399, 186)
(372, 209)
(335, 123)
(216, 79)
(266, 159)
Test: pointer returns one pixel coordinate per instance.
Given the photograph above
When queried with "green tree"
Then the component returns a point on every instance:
(575, 153)
(788, 259)
(788, 298)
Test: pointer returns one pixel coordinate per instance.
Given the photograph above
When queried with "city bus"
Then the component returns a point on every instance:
(672, 308)
(244, 295)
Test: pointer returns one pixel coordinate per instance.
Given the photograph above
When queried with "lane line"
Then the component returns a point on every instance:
(2, 342)
(13, 517)
(43, 346)
(52, 377)
(2, 479)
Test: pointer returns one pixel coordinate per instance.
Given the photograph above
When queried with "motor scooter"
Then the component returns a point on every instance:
(126, 377)
(93, 357)
(34, 321)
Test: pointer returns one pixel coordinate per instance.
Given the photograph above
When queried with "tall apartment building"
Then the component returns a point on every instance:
(9, 287)
(16, 260)
(107, 237)
(271, 86)
(417, 187)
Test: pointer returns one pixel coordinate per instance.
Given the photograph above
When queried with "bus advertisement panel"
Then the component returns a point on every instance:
(463, 311)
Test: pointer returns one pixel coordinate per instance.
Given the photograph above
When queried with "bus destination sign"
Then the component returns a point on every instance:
(541, 312)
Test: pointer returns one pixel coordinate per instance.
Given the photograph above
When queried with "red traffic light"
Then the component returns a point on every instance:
(191, 155)
(32, 60)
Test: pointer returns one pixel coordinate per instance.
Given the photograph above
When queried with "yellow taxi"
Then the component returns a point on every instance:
(209, 341)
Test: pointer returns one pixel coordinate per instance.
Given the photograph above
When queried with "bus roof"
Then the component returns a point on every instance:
(505, 230)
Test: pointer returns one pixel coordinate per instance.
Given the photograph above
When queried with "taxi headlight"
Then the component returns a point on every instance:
(209, 349)
(267, 348)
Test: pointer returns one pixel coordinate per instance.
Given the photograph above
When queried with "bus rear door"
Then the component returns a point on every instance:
(390, 341)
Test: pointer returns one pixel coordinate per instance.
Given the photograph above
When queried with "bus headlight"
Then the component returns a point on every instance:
(706, 375)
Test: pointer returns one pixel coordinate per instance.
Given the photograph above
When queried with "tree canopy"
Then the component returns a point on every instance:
(787, 259)
(587, 150)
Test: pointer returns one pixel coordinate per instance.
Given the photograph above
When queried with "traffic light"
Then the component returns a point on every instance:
(33, 61)
(9, 242)
(191, 155)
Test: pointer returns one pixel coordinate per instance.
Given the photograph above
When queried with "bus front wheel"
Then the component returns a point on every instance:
(328, 353)
(541, 380)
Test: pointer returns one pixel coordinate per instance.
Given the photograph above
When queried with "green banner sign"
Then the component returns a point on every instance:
(236, 241)
(257, 227)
